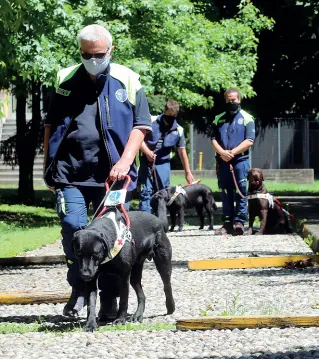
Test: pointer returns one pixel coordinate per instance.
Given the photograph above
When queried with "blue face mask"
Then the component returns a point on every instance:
(96, 66)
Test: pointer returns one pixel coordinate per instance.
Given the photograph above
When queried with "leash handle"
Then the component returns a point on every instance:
(126, 184)
(194, 182)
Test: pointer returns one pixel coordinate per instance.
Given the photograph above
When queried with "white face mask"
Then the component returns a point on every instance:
(96, 66)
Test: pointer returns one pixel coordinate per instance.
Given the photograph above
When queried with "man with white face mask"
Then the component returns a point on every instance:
(97, 121)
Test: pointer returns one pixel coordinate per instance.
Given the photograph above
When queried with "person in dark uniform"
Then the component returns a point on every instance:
(97, 120)
(233, 135)
(158, 145)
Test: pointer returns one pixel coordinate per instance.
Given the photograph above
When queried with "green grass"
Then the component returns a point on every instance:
(24, 228)
(76, 326)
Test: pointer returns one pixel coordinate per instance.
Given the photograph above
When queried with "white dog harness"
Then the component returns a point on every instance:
(267, 196)
(123, 235)
(179, 190)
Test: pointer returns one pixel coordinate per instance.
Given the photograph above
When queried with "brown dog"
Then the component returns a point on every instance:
(261, 204)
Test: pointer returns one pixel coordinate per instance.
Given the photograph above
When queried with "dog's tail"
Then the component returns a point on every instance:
(211, 201)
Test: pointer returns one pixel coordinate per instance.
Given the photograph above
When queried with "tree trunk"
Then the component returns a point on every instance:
(27, 140)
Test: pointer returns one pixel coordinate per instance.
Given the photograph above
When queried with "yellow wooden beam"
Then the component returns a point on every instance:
(251, 321)
(32, 297)
(248, 262)
(26, 261)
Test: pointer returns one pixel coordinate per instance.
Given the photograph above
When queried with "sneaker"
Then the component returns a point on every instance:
(238, 229)
(227, 228)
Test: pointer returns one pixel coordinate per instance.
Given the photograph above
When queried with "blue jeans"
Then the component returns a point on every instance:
(148, 183)
(228, 189)
(72, 206)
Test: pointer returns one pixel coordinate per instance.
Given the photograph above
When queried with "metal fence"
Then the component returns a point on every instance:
(291, 143)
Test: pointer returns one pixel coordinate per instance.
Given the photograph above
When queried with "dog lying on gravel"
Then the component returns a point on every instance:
(95, 245)
(274, 219)
(198, 196)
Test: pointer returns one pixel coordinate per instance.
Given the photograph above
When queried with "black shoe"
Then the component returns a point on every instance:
(238, 229)
(227, 228)
(75, 304)
(108, 311)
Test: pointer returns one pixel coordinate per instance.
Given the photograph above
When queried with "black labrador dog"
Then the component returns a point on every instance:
(94, 244)
(198, 196)
(273, 219)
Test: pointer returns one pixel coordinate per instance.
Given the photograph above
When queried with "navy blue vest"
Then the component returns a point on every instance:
(116, 115)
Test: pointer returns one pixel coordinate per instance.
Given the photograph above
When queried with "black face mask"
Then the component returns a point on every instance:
(232, 108)
(169, 120)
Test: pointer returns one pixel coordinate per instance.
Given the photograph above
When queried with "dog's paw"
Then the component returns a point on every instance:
(250, 232)
(170, 306)
(171, 229)
(136, 318)
(210, 228)
(90, 327)
(119, 321)
(180, 229)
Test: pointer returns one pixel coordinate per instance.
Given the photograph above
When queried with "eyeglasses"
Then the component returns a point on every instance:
(97, 55)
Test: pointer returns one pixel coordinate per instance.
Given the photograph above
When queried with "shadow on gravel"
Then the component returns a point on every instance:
(298, 352)
(48, 323)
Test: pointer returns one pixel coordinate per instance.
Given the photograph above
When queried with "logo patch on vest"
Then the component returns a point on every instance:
(240, 121)
(121, 95)
(63, 92)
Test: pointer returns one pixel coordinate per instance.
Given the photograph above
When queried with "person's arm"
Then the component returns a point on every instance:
(242, 147)
(150, 155)
(184, 159)
(141, 125)
(224, 154)
(122, 167)
(249, 138)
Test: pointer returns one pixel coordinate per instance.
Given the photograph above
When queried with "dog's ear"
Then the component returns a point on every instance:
(261, 175)
(249, 174)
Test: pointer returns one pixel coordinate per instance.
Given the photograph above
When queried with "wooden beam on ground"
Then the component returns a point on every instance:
(27, 261)
(249, 262)
(32, 297)
(242, 322)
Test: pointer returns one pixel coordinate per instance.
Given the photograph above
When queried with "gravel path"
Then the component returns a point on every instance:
(228, 292)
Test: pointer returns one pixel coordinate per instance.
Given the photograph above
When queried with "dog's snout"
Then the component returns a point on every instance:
(86, 277)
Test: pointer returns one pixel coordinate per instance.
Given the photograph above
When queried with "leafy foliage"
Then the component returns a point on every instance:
(176, 49)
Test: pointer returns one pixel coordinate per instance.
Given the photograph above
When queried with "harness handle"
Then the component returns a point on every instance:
(108, 188)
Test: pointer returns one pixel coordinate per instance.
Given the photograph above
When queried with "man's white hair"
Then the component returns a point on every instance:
(94, 33)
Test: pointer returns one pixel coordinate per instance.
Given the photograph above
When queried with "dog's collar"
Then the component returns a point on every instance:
(123, 234)
(267, 196)
(179, 190)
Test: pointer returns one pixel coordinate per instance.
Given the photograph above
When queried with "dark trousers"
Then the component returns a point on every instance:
(148, 184)
(228, 190)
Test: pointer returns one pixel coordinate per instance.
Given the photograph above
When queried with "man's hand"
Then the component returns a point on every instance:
(189, 177)
(119, 170)
(151, 156)
(226, 156)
